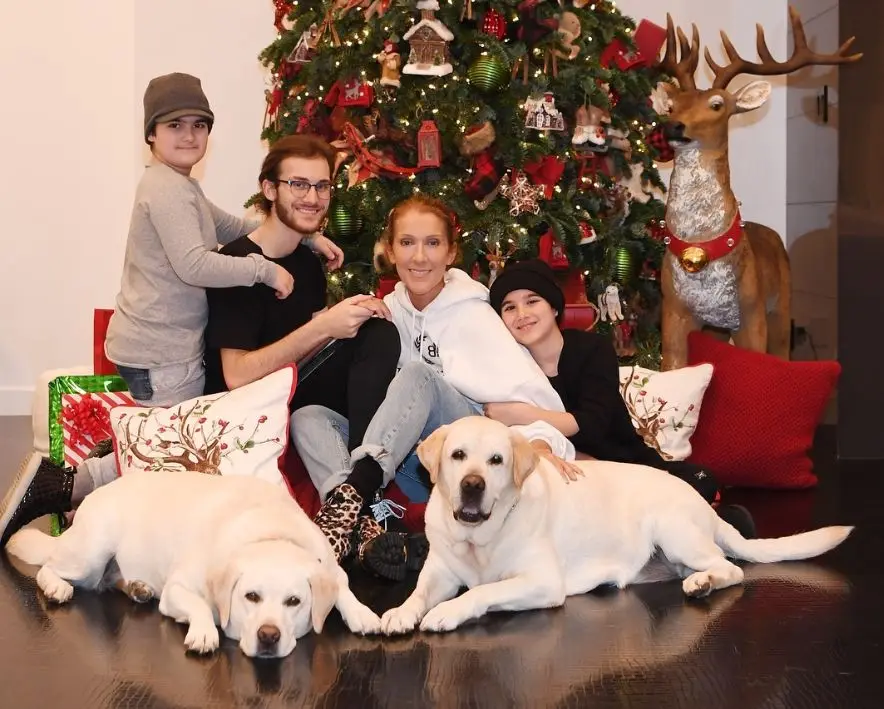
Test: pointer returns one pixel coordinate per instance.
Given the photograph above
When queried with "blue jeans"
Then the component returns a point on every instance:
(165, 386)
(418, 402)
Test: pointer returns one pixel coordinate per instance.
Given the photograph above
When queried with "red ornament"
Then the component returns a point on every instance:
(429, 145)
(656, 230)
(353, 92)
(283, 8)
(552, 251)
(494, 24)
(648, 39)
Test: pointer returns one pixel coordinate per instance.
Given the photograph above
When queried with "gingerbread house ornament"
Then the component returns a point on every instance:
(542, 114)
(429, 40)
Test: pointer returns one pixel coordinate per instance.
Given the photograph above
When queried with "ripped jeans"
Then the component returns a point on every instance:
(418, 402)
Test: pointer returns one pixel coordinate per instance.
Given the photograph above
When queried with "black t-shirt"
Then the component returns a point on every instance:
(252, 317)
(588, 383)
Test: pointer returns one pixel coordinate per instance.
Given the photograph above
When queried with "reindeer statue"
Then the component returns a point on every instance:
(718, 270)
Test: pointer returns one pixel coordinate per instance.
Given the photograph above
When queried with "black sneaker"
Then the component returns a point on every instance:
(40, 488)
(101, 449)
(739, 518)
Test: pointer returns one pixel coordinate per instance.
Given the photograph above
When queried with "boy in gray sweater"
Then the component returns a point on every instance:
(155, 336)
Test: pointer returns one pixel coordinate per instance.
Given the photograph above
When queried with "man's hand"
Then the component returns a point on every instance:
(511, 413)
(324, 246)
(567, 470)
(342, 321)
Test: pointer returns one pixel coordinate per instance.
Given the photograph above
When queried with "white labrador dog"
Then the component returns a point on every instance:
(506, 525)
(234, 551)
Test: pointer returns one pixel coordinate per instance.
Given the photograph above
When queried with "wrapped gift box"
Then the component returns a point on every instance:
(69, 444)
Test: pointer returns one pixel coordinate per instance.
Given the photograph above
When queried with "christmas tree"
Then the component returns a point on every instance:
(532, 120)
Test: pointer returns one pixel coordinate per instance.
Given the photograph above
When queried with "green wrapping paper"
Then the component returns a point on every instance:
(74, 384)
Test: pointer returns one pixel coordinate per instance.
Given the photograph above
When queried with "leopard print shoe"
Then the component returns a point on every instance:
(337, 518)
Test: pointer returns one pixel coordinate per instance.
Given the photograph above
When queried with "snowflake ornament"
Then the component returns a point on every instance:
(523, 196)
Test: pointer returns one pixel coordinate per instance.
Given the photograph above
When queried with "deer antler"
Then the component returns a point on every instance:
(682, 70)
(801, 57)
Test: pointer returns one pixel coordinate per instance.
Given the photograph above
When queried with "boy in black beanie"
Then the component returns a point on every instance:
(584, 370)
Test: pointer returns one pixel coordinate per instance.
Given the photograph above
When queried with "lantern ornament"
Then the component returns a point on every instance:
(429, 145)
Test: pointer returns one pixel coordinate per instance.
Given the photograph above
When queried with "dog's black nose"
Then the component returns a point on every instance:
(268, 635)
(674, 130)
(472, 484)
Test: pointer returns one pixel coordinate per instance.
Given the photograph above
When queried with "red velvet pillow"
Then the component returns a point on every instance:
(758, 415)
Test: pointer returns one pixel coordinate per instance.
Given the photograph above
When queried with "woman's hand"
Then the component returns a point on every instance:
(510, 413)
(568, 471)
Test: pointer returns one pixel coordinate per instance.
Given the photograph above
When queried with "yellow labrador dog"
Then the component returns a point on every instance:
(510, 528)
(234, 551)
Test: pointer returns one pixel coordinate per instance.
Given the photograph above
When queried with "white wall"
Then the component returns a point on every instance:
(757, 139)
(812, 166)
(74, 150)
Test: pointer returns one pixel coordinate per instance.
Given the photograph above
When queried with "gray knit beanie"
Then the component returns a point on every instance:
(174, 96)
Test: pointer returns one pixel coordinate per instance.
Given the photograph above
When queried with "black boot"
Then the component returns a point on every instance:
(40, 488)
(388, 554)
(739, 518)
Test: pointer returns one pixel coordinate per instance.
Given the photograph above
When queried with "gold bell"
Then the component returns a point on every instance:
(694, 259)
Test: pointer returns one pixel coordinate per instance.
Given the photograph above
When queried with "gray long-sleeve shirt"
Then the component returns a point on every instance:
(171, 258)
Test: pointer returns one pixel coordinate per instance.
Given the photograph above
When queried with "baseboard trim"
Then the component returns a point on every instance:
(16, 401)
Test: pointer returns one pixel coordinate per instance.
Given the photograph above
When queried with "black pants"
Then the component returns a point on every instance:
(698, 477)
(354, 380)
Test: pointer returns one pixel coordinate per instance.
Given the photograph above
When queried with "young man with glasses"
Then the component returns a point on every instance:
(251, 333)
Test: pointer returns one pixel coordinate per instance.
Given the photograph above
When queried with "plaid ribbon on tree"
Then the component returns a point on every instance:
(659, 145)
(487, 173)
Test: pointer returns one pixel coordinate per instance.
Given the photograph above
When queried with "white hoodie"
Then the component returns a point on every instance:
(462, 338)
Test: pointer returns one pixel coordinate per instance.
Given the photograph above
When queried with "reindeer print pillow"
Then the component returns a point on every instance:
(665, 406)
(240, 432)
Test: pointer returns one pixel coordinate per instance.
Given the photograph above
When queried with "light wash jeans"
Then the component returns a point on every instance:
(418, 402)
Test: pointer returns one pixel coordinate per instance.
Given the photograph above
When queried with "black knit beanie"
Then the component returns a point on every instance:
(534, 275)
(174, 96)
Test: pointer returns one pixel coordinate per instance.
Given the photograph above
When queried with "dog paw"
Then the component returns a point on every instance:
(444, 617)
(55, 588)
(398, 621)
(139, 592)
(697, 585)
(361, 619)
(202, 638)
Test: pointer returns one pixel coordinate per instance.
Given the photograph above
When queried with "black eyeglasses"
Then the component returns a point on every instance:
(301, 188)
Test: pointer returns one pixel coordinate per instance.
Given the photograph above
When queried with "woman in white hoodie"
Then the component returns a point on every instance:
(456, 356)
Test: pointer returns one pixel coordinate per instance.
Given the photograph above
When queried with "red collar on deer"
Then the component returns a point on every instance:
(695, 255)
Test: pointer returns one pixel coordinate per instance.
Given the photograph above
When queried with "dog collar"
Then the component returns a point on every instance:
(694, 256)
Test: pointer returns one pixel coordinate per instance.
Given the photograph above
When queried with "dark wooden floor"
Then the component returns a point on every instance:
(796, 635)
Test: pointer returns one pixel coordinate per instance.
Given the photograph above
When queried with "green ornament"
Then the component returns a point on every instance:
(489, 74)
(624, 265)
(343, 223)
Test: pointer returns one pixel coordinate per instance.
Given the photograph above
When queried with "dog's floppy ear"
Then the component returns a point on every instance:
(221, 581)
(525, 458)
(324, 588)
(430, 451)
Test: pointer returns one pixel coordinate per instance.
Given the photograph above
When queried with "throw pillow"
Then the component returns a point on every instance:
(759, 415)
(239, 432)
(665, 406)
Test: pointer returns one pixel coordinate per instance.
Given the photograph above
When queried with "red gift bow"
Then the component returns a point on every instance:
(89, 420)
(546, 172)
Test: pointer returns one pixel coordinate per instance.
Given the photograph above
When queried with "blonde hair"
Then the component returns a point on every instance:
(422, 203)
